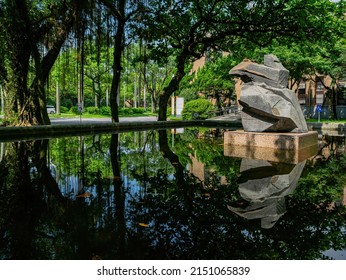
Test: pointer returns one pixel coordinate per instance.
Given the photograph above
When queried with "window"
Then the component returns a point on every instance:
(342, 94)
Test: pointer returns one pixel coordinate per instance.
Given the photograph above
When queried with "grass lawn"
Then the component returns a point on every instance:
(87, 115)
(326, 121)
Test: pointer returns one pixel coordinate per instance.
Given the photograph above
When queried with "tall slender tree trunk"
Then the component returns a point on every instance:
(119, 13)
(119, 196)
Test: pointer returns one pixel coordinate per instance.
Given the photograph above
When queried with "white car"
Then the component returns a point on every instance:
(50, 109)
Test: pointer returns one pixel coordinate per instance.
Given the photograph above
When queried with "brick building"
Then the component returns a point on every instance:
(313, 91)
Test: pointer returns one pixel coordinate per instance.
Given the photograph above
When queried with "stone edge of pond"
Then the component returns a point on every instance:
(14, 133)
(326, 126)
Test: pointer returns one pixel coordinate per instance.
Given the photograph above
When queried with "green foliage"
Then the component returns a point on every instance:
(171, 37)
(67, 102)
(316, 184)
(126, 111)
(188, 94)
(139, 199)
(92, 110)
(131, 111)
(105, 111)
(74, 110)
(63, 109)
(214, 75)
(197, 109)
(138, 110)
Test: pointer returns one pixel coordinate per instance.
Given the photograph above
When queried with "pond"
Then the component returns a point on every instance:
(168, 194)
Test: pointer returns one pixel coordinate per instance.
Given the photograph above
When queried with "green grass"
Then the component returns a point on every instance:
(87, 115)
(173, 118)
(327, 121)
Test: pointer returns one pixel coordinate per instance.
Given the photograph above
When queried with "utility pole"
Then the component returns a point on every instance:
(57, 98)
(107, 97)
(2, 100)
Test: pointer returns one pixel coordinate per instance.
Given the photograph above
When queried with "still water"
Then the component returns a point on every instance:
(168, 194)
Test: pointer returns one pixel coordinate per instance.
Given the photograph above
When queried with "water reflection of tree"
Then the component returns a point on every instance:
(330, 147)
(26, 183)
(176, 217)
(207, 147)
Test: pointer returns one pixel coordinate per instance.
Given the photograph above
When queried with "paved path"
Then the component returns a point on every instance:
(68, 121)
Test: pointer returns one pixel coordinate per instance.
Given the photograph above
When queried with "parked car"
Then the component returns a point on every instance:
(50, 109)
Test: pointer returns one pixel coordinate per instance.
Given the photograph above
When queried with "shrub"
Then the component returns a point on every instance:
(197, 109)
(92, 110)
(188, 94)
(138, 110)
(74, 110)
(63, 109)
(125, 111)
(105, 111)
(131, 111)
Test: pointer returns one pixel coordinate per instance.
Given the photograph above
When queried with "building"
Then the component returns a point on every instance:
(312, 92)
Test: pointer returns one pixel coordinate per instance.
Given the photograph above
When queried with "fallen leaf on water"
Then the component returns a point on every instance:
(143, 224)
(84, 195)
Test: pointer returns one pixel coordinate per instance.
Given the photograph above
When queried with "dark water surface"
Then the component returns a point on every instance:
(168, 195)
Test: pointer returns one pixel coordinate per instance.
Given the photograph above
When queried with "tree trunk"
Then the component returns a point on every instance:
(119, 13)
(119, 196)
(27, 105)
(172, 86)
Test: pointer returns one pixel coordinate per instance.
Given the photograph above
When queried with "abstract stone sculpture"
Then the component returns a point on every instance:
(268, 105)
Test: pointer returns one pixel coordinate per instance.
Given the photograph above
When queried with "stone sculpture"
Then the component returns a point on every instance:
(268, 105)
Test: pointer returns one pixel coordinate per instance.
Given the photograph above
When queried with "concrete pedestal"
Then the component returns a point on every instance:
(271, 146)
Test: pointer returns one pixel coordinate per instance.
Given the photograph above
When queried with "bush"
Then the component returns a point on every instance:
(105, 111)
(92, 110)
(74, 110)
(188, 94)
(63, 109)
(131, 111)
(197, 109)
(125, 111)
(138, 110)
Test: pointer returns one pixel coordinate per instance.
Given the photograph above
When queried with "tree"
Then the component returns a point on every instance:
(331, 62)
(310, 60)
(32, 36)
(118, 12)
(188, 29)
(213, 79)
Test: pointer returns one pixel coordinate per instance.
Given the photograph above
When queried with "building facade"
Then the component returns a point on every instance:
(312, 92)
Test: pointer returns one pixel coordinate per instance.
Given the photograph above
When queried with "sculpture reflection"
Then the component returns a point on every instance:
(264, 185)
